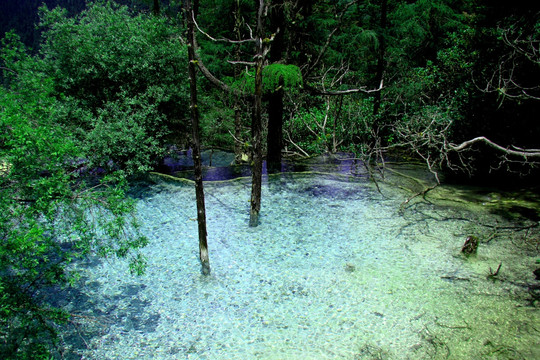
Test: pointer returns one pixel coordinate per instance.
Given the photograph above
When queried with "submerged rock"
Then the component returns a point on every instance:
(350, 268)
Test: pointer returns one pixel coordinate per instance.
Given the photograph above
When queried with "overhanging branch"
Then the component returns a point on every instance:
(515, 151)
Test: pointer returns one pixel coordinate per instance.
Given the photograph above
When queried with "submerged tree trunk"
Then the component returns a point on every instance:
(256, 124)
(199, 189)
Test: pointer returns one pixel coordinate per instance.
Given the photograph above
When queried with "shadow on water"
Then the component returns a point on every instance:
(91, 319)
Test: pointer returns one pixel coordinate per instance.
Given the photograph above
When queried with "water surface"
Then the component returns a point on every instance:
(337, 269)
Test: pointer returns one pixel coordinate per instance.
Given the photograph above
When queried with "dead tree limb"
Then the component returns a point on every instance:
(515, 151)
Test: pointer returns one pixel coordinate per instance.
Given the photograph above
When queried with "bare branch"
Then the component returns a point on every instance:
(230, 41)
(239, 62)
(296, 145)
(504, 80)
(8, 69)
(344, 92)
(214, 80)
(525, 153)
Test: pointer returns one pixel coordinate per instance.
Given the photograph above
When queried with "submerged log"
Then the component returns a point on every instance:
(470, 246)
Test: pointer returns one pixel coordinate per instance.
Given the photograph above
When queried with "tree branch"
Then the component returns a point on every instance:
(230, 41)
(214, 80)
(525, 153)
(363, 89)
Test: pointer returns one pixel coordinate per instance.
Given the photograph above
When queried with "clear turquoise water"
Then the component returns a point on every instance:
(336, 270)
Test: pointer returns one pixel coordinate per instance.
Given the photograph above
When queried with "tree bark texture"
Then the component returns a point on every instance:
(256, 125)
(380, 56)
(199, 189)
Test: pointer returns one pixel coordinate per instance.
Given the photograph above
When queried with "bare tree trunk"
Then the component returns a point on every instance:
(238, 146)
(156, 9)
(337, 115)
(275, 99)
(275, 129)
(199, 189)
(256, 125)
(380, 56)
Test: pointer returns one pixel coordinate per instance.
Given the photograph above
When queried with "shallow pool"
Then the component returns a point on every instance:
(337, 269)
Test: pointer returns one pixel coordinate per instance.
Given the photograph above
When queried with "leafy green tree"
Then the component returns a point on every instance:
(120, 78)
(53, 210)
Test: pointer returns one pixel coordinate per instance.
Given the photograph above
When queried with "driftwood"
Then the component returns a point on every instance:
(470, 246)
(492, 274)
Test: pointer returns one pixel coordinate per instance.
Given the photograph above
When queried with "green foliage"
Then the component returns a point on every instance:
(419, 28)
(217, 122)
(275, 76)
(129, 131)
(52, 209)
(289, 77)
(348, 122)
(305, 130)
(121, 80)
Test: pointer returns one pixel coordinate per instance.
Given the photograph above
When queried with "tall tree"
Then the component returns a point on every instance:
(381, 61)
(275, 97)
(261, 49)
(196, 146)
(261, 45)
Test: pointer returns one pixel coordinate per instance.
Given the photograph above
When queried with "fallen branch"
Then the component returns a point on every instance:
(492, 274)
(420, 193)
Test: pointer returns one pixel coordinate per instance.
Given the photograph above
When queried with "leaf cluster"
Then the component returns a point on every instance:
(275, 77)
(120, 79)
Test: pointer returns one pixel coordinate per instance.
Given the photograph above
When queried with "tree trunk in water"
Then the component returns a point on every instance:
(199, 189)
(256, 126)
(238, 147)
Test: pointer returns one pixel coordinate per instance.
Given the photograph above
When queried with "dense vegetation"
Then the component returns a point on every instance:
(104, 94)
